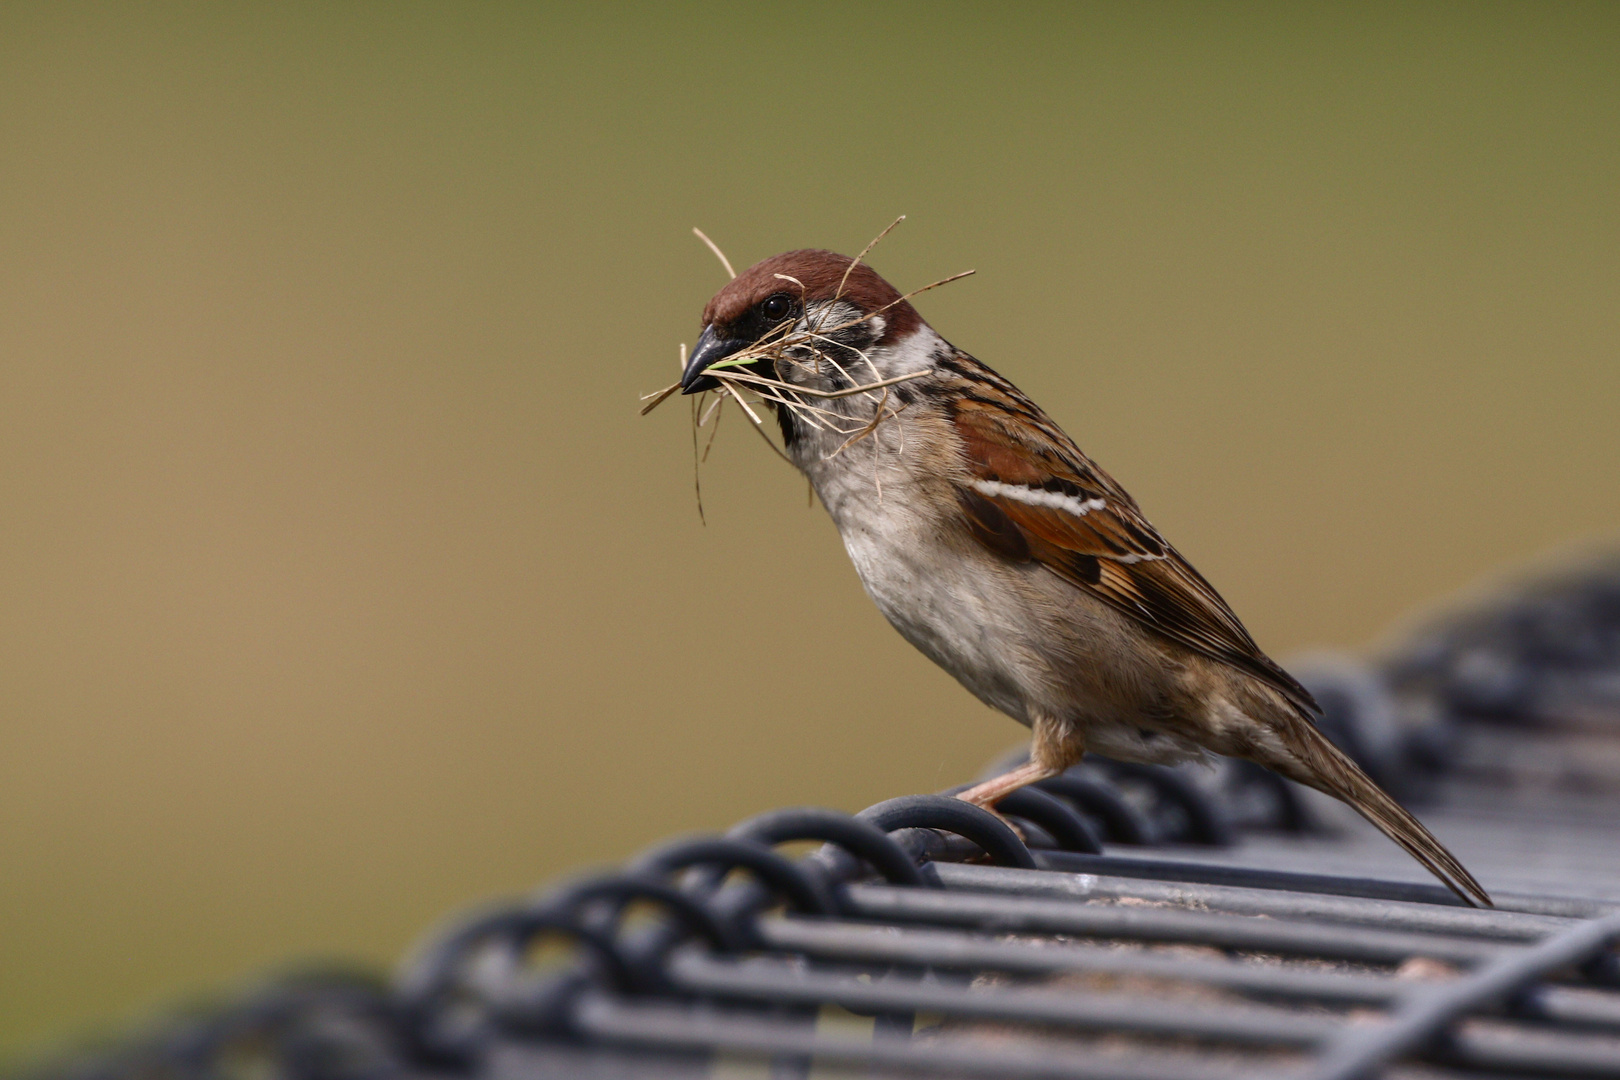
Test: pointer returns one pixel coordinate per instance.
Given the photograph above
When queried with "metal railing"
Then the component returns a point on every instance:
(1141, 923)
(1021, 962)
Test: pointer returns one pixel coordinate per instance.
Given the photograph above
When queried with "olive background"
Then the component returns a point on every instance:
(341, 584)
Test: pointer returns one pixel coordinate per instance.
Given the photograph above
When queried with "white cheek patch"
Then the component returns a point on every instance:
(824, 315)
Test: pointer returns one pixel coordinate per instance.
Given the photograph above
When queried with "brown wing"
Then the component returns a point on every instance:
(1033, 495)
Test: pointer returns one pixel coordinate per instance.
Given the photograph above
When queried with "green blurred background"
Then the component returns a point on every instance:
(340, 583)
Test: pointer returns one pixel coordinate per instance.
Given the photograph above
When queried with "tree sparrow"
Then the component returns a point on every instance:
(1006, 555)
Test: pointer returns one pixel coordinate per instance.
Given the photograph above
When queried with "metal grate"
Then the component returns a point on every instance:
(1149, 923)
(1040, 963)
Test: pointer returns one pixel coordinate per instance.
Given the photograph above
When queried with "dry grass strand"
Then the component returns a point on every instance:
(779, 345)
(864, 252)
(714, 247)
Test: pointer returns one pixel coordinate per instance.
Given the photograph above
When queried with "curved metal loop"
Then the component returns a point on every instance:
(1359, 715)
(621, 890)
(424, 975)
(1206, 824)
(804, 892)
(1069, 829)
(1287, 809)
(521, 1000)
(444, 1028)
(954, 816)
(861, 839)
(590, 911)
(287, 1023)
(1122, 822)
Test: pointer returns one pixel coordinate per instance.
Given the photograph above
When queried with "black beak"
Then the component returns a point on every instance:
(710, 349)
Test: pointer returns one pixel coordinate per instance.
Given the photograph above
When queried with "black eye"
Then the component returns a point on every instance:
(776, 308)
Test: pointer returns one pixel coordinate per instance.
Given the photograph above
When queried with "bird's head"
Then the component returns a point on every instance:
(808, 318)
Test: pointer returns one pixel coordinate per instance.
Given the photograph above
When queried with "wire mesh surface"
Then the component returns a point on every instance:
(1147, 923)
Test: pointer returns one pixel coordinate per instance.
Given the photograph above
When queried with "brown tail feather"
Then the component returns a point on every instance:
(1319, 764)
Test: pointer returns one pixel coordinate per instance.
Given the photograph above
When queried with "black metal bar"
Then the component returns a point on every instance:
(1539, 1052)
(1423, 1020)
(1571, 1005)
(1240, 900)
(1206, 873)
(1012, 914)
(619, 1021)
(956, 950)
(779, 981)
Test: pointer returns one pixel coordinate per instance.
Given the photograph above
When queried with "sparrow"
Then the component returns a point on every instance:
(1005, 554)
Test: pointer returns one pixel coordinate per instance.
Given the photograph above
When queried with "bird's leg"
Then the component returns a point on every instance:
(992, 791)
(1054, 748)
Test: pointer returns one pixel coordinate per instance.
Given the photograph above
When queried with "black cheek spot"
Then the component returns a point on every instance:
(789, 426)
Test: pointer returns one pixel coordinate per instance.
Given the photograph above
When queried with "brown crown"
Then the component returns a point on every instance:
(820, 272)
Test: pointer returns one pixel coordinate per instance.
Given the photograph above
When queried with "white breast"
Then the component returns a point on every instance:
(957, 612)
